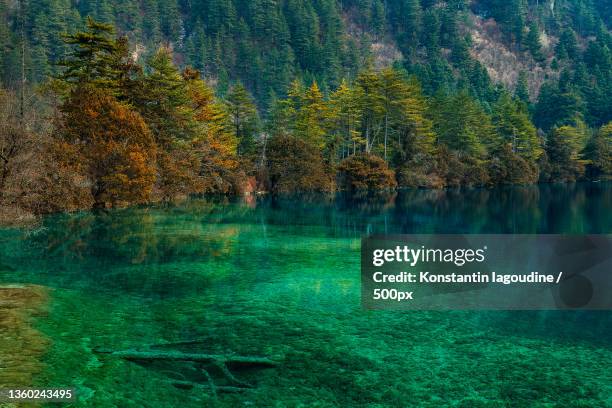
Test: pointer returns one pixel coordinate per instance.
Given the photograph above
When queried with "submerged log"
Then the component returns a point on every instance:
(188, 385)
(203, 362)
(176, 344)
(171, 355)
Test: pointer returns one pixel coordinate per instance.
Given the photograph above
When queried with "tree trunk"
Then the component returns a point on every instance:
(23, 75)
(386, 133)
(171, 355)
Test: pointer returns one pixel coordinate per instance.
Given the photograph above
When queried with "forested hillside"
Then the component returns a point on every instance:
(127, 101)
(267, 43)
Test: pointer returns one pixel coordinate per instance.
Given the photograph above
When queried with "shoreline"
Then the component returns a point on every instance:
(12, 216)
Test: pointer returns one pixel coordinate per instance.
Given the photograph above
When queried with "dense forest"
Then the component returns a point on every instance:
(112, 103)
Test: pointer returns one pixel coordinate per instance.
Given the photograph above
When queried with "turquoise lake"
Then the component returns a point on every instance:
(280, 278)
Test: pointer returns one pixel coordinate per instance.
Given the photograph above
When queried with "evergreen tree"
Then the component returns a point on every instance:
(462, 125)
(431, 32)
(377, 19)
(213, 142)
(311, 117)
(532, 41)
(416, 138)
(556, 108)
(521, 91)
(151, 24)
(244, 118)
(372, 107)
(95, 58)
(511, 16)
(563, 149)
(512, 124)
(104, 12)
(598, 153)
(345, 112)
(391, 92)
(472, 132)
(162, 100)
(405, 19)
(567, 47)
(171, 24)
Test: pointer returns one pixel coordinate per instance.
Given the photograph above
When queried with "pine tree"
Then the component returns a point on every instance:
(171, 24)
(104, 12)
(405, 18)
(521, 91)
(377, 19)
(598, 153)
(213, 141)
(391, 92)
(431, 32)
(162, 100)
(567, 47)
(510, 14)
(462, 125)
(40, 50)
(557, 108)
(563, 148)
(247, 60)
(95, 58)
(512, 124)
(346, 113)
(128, 17)
(312, 117)
(244, 118)
(371, 104)
(532, 41)
(152, 26)
(415, 130)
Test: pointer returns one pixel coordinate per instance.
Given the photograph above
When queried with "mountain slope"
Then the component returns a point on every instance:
(265, 44)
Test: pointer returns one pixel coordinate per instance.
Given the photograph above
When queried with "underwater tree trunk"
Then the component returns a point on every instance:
(221, 362)
(171, 355)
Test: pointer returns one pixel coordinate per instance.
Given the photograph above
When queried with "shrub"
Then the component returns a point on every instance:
(458, 168)
(507, 167)
(57, 180)
(294, 165)
(365, 172)
(420, 172)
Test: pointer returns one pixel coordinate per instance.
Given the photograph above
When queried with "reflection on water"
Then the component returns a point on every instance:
(280, 277)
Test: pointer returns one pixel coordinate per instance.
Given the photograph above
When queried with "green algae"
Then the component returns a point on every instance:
(21, 345)
(281, 279)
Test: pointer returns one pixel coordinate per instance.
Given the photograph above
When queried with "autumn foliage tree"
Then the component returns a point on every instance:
(365, 172)
(131, 132)
(112, 143)
(142, 133)
(214, 143)
(296, 165)
(102, 136)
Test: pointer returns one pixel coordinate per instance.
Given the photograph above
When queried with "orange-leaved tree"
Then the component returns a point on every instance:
(215, 143)
(114, 144)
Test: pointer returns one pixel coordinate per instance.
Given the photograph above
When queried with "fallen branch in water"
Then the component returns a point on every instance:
(188, 385)
(171, 355)
(218, 360)
(176, 344)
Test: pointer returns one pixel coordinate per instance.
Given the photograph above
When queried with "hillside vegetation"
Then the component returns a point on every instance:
(150, 100)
